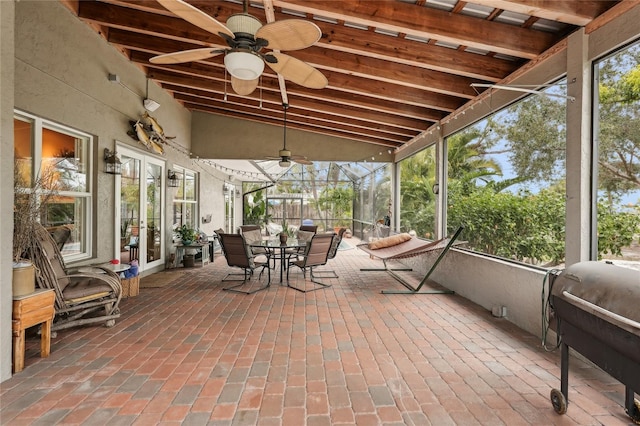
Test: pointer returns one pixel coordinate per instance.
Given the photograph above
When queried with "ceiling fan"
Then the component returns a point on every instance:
(284, 155)
(247, 37)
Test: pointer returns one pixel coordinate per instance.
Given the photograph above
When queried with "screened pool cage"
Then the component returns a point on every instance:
(329, 195)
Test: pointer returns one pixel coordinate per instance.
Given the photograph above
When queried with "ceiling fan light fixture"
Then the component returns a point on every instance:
(244, 65)
(243, 23)
(283, 163)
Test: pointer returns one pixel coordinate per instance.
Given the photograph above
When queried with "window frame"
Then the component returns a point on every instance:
(181, 172)
(38, 125)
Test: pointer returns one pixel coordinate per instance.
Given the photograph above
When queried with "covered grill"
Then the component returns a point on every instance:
(596, 311)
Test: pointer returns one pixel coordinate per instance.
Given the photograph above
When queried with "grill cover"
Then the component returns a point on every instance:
(613, 288)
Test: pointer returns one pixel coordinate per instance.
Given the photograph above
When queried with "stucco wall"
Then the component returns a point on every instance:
(6, 183)
(61, 70)
(219, 137)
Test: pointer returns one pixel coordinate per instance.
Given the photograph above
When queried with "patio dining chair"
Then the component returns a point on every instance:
(239, 255)
(316, 254)
(253, 233)
(333, 251)
(81, 297)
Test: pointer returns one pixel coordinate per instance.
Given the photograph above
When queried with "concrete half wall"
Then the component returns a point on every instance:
(488, 282)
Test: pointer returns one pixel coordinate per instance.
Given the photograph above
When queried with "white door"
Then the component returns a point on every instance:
(140, 192)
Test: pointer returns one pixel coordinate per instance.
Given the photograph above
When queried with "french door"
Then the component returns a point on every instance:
(140, 215)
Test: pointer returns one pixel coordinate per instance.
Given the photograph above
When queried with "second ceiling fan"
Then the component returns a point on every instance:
(284, 155)
(247, 37)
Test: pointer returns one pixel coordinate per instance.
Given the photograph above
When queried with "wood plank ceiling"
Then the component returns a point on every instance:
(394, 66)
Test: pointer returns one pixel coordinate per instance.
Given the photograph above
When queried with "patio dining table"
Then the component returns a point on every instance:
(279, 250)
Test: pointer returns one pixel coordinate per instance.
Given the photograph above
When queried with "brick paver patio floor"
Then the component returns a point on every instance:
(191, 353)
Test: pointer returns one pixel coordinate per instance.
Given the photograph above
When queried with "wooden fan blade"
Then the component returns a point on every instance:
(290, 34)
(197, 17)
(185, 56)
(244, 87)
(298, 71)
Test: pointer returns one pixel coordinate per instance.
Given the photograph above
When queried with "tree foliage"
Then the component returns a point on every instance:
(528, 225)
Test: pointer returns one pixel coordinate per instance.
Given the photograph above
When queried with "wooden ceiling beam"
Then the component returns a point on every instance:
(403, 116)
(336, 61)
(414, 53)
(272, 114)
(321, 119)
(337, 81)
(578, 13)
(359, 102)
(390, 72)
(431, 23)
(215, 90)
(334, 37)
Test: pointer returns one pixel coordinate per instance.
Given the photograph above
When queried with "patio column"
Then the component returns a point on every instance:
(579, 150)
(7, 63)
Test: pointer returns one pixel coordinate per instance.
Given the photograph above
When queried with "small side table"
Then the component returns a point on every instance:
(29, 310)
(202, 247)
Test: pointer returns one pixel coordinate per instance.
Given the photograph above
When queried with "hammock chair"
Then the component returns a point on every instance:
(404, 247)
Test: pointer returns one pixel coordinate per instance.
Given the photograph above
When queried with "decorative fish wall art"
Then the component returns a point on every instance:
(149, 134)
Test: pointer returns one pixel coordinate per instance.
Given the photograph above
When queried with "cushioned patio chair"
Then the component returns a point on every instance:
(333, 251)
(316, 254)
(81, 297)
(239, 255)
(253, 233)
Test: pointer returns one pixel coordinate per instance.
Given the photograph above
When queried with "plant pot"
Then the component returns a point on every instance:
(283, 238)
(24, 278)
(188, 261)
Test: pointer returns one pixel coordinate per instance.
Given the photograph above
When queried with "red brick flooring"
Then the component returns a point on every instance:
(190, 353)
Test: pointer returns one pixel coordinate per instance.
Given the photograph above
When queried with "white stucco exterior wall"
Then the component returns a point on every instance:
(6, 183)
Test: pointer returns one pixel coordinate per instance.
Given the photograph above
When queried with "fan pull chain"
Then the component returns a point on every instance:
(260, 91)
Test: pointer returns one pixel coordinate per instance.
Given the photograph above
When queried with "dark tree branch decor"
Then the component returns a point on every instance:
(32, 196)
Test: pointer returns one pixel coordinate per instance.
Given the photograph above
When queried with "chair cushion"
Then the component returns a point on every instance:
(393, 240)
(252, 236)
(305, 236)
(83, 289)
(335, 243)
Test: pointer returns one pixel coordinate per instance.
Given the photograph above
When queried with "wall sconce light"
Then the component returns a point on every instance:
(435, 188)
(112, 163)
(172, 179)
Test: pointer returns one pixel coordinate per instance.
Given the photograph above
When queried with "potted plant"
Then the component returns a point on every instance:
(284, 234)
(187, 234)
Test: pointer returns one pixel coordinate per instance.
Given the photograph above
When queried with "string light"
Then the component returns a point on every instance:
(200, 163)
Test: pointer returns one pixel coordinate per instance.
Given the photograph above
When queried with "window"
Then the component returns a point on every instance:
(417, 198)
(618, 155)
(506, 180)
(45, 148)
(185, 202)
